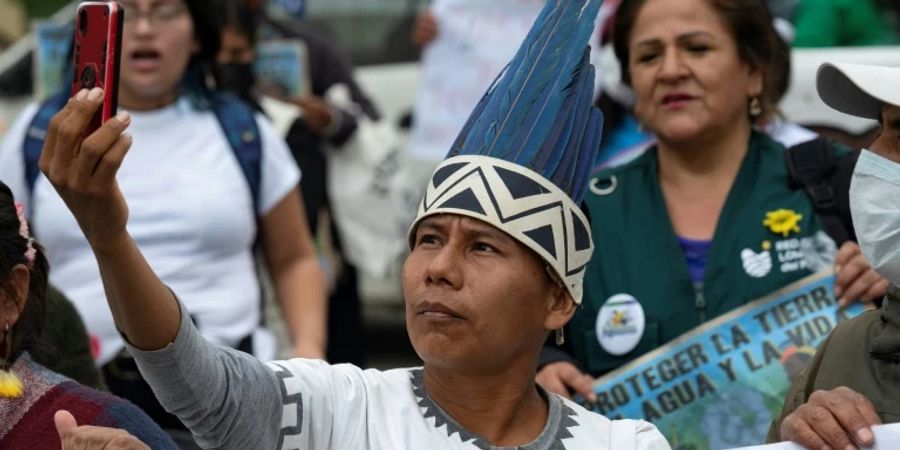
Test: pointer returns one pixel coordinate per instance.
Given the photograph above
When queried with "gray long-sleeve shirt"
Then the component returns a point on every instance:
(231, 400)
(220, 394)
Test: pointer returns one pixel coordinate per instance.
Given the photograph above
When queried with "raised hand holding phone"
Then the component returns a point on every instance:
(82, 166)
(83, 172)
(97, 50)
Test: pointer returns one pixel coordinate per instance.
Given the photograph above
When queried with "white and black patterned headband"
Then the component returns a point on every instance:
(519, 202)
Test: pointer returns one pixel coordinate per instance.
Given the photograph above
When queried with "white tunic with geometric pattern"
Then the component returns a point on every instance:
(231, 400)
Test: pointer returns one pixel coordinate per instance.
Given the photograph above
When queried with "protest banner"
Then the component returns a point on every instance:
(720, 385)
(476, 39)
(50, 57)
(282, 68)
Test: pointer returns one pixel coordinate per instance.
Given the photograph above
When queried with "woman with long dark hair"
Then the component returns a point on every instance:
(30, 393)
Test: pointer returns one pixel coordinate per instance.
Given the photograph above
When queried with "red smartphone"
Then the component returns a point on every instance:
(97, 50)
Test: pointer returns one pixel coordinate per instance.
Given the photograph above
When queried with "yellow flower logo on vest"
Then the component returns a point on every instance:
(783, 222)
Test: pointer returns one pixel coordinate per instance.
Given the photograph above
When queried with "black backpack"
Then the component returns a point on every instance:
(824, 169)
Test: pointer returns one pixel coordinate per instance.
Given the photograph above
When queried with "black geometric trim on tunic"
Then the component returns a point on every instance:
(559, 420)
(283, 375)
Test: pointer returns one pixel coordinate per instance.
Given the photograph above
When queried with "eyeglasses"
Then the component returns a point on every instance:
(159, 15)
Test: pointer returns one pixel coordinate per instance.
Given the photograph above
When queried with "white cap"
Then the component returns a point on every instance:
(858, 90)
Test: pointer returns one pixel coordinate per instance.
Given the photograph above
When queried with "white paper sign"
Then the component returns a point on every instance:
(887, 437)
(476, 40)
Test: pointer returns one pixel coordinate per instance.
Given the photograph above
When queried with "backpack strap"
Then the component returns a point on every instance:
(622, 435)
(236, 118)
(34, 139)
(824, 174)
(238, 122)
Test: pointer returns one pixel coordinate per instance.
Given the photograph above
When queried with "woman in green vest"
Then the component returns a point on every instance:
(706, 220)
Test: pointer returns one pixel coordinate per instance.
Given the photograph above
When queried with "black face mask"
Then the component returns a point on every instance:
(236, 78)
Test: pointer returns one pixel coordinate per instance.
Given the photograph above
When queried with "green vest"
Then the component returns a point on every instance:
(637, 253)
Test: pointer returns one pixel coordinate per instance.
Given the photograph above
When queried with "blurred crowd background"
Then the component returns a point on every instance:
(385, 39)
(386, 85)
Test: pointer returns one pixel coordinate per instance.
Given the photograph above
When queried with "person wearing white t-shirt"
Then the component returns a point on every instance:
(498, 251)
(193, 214)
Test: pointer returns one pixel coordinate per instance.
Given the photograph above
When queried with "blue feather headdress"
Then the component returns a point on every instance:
(538, 113)
(522, 161)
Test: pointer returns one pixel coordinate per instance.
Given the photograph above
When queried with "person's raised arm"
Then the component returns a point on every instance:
(192, 378)
(83, 172)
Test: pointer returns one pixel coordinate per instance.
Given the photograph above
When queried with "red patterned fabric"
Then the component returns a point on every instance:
(27, 422)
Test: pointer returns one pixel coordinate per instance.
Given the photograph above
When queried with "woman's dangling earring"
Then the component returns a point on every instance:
(10, 385)
(755, 107)
(560, 337)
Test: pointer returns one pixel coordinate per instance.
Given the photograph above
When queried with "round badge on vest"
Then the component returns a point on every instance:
(620, 324)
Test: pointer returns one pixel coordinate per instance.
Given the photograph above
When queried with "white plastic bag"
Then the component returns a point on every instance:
(370, 194)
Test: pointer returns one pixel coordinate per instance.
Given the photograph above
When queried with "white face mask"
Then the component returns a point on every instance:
(875, 207)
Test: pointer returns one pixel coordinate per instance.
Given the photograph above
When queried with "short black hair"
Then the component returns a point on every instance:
(202, 63)
(238, 16)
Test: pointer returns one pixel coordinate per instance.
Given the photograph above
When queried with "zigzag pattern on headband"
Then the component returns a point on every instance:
(523, 204)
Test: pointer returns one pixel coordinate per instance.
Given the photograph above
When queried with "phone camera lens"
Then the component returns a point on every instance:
(88, 78)
(83, 22)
